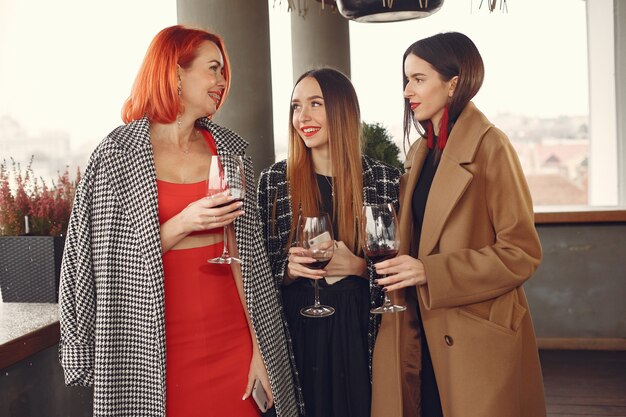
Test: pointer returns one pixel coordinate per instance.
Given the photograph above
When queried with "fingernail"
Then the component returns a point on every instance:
(376, 281)
(244, 397)
(240, 204)
(384, 289)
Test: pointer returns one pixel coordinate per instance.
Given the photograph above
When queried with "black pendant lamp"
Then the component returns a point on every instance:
(387, 10)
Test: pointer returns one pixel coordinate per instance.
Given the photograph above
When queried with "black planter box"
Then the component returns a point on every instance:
(30, 267)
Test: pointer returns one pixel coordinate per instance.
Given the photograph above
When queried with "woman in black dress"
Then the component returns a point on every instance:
(325, 172)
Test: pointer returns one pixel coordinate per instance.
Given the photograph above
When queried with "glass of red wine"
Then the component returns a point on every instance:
(380, 240)
(315, 237)
(226, 173)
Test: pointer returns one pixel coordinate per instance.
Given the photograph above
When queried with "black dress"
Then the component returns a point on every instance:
(430, 401)
(331, 353)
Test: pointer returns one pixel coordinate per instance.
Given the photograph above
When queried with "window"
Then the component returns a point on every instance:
(65, 72)
(549, 85)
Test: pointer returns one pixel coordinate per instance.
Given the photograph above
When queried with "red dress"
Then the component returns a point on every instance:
(208, 345)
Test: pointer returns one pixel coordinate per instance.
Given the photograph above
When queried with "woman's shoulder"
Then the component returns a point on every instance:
(224, 137)
(379, 169)
(276, 169)
(133, 135)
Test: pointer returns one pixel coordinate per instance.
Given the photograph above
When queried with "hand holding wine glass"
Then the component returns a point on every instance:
(316, 240)
(226, 174)
(380, 240)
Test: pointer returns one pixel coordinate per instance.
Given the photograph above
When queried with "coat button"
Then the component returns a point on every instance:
(449, 340)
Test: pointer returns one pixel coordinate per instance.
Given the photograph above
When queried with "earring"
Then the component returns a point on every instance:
(180, 87)
(431, 135)
(180, 122)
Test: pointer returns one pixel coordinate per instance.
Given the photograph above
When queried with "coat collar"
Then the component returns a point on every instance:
(226, 140)
(451, 179)
(132, 177)
(135, 136)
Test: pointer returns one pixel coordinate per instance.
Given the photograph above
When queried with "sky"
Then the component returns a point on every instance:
(68, 65)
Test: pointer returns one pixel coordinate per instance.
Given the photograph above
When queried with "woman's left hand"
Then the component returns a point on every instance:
(402, 271)
(258, 371)
(344, 262)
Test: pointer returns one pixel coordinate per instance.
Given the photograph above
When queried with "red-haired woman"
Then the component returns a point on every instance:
(325, 172)
(144, 318)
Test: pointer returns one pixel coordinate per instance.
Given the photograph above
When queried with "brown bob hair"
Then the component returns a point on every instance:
(450, 54)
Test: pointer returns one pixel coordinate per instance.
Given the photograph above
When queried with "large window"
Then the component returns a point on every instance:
(550, 81)
(536, 86)
(66, 67)
(550, 85)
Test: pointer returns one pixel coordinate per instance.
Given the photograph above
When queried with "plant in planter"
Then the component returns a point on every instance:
(33, 222)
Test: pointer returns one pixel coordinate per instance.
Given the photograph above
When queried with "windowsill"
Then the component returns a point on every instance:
(25, 329)
(580, 214)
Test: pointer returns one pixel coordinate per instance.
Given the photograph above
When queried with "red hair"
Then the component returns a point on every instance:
(155, 91)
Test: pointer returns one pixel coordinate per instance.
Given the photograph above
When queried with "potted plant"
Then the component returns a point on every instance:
(33, 223)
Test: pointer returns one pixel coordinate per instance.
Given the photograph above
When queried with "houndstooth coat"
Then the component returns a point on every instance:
(111, 297)
(380, 185)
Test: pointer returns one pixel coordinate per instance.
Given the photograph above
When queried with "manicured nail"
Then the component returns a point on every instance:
(376, 281)
(385, 289)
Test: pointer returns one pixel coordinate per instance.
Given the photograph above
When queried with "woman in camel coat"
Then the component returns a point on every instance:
(465, 347)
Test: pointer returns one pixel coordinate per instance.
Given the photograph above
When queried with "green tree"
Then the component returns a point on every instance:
(378, 144)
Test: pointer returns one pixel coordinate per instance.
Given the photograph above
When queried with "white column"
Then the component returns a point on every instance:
(319, 38)
(244, 26)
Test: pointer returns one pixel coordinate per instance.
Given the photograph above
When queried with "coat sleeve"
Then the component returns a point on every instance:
(77, 303)
(267, 193)
(473, 275)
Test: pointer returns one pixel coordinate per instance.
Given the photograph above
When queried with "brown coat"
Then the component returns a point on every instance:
(478, 245)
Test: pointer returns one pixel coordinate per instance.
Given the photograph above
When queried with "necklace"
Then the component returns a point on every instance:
(195, 134)
(330, 183)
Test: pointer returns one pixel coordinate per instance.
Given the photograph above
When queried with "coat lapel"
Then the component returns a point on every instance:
(226, 141)
(451, 179)
(134, 180)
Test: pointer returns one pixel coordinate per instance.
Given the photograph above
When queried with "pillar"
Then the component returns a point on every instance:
(319, 38)
(244, 26)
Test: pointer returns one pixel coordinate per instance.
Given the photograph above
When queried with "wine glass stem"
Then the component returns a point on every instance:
(317, 293)
(387, 301)
(225, 250)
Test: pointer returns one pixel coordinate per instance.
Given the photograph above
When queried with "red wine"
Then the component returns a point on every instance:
(380, 255)
(318, 264)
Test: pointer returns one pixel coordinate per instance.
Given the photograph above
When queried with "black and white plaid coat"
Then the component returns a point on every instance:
(380, 185)
(111, 297)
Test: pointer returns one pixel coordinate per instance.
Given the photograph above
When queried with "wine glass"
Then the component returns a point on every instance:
(315, 237)
(380, 240)
(226, 173)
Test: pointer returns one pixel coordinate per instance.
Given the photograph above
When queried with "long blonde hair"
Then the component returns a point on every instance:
(343, 116)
